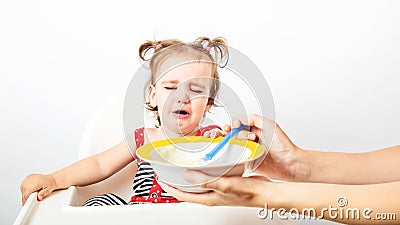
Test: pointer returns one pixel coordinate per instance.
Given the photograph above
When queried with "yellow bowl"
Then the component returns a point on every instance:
(171, 158)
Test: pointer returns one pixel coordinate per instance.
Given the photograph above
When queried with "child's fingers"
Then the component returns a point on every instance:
(207, 134)
(216, 133)
(24, 198)
(219, 133)
(25, 194)
(43, 193)
(227, 128)
(36, 182)
(28, 186)
(212, 134)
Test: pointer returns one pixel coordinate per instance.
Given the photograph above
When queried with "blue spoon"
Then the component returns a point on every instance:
(223, 142)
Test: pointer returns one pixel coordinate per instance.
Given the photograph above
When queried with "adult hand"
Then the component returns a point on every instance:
(283, 160)
(45, 184)
(229, 191)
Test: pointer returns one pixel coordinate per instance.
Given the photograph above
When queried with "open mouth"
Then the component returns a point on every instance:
(181, 113)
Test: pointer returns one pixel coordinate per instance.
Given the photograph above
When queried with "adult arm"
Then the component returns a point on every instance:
(378, 166)
(350, 204)
(286, 161)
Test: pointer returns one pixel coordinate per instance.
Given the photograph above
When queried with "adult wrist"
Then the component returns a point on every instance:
(302, 165)
(276, 194)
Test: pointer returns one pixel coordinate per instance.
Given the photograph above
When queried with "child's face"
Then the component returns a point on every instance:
(182, 95)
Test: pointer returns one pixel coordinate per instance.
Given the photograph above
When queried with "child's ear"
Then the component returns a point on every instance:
(152, 95)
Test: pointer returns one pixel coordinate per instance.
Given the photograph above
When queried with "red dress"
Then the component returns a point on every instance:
(145, 186)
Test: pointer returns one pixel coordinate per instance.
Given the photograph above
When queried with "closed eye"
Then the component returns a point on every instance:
(170, 88)
(196, 91)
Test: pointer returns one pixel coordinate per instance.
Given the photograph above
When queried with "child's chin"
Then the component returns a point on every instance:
(181, 127)
(176, 129)
(185, 130)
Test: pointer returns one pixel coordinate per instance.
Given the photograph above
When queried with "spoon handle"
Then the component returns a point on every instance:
(223, 142)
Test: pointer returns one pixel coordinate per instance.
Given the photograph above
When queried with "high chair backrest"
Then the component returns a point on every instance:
(105, 128)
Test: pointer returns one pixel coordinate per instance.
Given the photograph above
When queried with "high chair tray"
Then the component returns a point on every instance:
(59, 208)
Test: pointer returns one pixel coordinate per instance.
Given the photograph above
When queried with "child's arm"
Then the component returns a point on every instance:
(84, 172)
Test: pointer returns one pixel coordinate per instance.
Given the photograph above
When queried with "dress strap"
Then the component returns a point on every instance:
(139, 140)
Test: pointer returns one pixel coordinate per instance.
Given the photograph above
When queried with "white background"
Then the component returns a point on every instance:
(333, 68)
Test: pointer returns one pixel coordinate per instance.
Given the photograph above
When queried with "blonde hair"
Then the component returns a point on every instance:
(215, 50)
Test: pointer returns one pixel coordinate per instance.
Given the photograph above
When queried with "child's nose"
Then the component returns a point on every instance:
(183, 99)
(183, 96)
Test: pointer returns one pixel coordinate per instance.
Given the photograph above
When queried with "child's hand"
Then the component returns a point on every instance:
(45, 184)
(214, 133)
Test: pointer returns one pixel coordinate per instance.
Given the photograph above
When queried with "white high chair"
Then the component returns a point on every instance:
(64, 207)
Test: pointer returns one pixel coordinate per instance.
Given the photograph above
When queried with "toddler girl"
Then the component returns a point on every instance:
(182, 87)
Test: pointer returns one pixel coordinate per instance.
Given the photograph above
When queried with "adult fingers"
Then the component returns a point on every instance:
(218, 184)
(247, 135)
(250, 120)
(233, 185)
(259, 177)
(197, 178)
(200, 198)
(253, 120)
